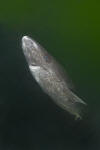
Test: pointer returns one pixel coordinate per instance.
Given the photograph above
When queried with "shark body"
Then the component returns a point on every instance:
(51, 77)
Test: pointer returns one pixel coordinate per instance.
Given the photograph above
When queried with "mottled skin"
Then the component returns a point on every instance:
(51, 76)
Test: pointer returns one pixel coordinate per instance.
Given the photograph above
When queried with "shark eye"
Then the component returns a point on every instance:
(47, 58)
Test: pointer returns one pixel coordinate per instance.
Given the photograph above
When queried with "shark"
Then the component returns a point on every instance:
(51, 77)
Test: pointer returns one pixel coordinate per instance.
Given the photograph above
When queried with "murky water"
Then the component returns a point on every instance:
(28, 118)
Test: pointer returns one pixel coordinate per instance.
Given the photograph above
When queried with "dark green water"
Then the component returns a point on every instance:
(70, 31)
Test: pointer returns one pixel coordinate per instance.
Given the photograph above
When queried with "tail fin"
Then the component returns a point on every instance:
(76, 106)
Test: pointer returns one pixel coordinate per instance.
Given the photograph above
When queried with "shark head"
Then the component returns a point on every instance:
(35, 54)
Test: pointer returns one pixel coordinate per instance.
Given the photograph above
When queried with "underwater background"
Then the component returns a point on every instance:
(70, 31)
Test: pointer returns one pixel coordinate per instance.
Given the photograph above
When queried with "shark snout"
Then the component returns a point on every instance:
(30, 48)
(26, 42)
(27, 48)
(29, 43)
